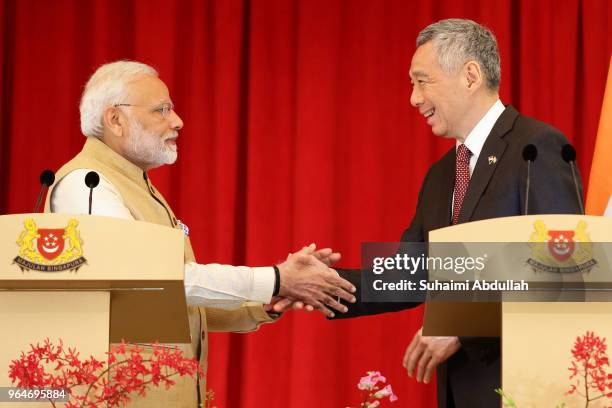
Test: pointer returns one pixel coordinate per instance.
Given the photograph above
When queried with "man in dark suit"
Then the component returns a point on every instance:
(455, 73)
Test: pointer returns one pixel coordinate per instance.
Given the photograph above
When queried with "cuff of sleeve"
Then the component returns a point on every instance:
(260, 315)
(263, 284)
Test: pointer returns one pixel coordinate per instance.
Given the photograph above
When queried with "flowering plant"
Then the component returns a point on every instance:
(588, 372)
(102, 384)
(373, 390)
(589, 368)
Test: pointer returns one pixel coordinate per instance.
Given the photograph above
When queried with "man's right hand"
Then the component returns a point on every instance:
(425, 353)
(305, 278)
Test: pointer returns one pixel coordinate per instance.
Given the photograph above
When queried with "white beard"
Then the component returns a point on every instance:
(148, 148)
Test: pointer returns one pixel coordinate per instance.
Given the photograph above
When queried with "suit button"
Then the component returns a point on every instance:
(203, 335)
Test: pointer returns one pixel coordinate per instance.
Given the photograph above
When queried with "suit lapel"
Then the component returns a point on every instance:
(483, 171)
(446, 187)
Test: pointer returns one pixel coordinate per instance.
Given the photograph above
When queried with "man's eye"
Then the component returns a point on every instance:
(163, 110)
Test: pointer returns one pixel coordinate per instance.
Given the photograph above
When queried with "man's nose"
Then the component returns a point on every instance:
(175, 120)
(416, 99)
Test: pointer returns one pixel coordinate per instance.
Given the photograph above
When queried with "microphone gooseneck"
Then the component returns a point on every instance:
(47, 178)
(92, 179)
(568, 153)
(530, 153)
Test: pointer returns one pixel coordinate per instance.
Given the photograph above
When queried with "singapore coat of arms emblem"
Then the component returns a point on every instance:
(50, 249)
(561, 251)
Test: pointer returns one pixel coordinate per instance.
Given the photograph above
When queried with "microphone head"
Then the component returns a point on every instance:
(568, 153)
(530, 152)
(92, 179)
(47, 177)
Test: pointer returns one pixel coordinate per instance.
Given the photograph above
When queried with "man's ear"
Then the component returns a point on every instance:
(113, 121)
(473, 75)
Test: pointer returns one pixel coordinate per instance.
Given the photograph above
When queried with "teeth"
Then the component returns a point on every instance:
(429, 113)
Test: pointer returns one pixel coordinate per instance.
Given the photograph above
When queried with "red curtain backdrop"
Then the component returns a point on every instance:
(298, 129)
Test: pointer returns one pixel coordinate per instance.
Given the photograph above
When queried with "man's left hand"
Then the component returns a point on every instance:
(425, 353)
(282, 304)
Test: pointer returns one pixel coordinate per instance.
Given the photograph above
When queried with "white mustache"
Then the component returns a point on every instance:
(173, 136)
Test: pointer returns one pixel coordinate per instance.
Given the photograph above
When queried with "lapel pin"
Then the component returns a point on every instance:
(492, 159)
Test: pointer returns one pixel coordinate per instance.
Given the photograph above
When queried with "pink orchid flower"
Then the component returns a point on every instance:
(369, 382)
(386, 392)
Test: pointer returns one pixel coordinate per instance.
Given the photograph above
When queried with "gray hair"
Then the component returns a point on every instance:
(457, 41)
(107, 87)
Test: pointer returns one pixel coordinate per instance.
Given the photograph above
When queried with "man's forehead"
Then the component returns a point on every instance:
(424, 61)
(148, 89)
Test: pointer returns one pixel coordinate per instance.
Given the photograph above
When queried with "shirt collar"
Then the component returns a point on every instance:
(477, 137)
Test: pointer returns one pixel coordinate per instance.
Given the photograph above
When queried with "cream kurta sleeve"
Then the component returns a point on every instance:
(246, 319)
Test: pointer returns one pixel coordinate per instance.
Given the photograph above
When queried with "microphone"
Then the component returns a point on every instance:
(569, 156)
(530, 152)
(91, 180)
(47, 178)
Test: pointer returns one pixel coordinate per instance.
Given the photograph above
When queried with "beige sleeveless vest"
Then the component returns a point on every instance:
(147, 204)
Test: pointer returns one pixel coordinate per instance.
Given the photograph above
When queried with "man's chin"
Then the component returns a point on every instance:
(166, 159)
(439, 132)
(171, 159)
(169, 154)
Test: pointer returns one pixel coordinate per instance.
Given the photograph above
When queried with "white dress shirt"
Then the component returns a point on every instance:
(478, 136)
(212, 285)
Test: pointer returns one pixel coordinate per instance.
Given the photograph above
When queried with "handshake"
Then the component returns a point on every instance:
(307, 282)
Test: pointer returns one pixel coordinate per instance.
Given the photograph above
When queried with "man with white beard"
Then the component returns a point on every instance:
(131, 127)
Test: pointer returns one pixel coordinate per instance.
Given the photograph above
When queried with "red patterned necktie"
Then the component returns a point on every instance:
(462, 179)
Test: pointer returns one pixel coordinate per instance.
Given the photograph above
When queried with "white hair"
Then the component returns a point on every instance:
(108, 87)
(458, 40)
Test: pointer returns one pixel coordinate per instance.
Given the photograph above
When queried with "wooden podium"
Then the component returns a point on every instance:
(90, 281)
(536, 337)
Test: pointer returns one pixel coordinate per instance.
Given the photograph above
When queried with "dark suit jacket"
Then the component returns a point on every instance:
(495, 190)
